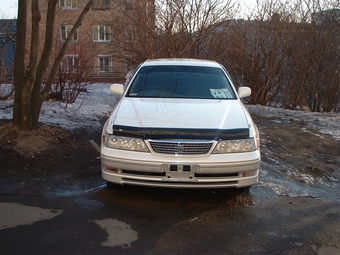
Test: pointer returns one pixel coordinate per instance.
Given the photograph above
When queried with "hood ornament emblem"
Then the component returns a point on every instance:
(180, 148)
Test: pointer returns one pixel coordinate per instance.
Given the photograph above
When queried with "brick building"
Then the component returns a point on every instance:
(95, 47)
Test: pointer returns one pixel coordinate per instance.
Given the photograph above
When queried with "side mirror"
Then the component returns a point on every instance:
(244, 92)
(117, 89)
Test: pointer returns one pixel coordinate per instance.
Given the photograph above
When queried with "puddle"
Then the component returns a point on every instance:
(119, 233)
(13, 214)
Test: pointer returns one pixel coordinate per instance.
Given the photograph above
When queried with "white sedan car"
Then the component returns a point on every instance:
(180, 123)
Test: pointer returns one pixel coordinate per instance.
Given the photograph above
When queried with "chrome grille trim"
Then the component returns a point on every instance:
(181, 147)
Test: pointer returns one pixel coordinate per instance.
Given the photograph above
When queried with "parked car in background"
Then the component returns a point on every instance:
(180, 123)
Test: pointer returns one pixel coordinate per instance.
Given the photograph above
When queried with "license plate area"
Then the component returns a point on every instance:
(180, 173)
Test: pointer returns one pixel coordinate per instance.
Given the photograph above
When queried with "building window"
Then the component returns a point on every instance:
(101, 33)
(130, 4)
(130, 33)
(64, 32)
(68, 4)
(104, 63)
(70, 63)
(101, 4)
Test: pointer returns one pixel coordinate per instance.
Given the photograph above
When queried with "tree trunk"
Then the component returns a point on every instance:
(37, 98)
(28, 84)
(37, 103)
(30, 74)
(19, 61)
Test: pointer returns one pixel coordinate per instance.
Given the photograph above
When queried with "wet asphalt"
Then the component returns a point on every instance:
(90, 218)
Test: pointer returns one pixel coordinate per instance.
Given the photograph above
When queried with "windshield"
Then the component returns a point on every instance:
(181, 82)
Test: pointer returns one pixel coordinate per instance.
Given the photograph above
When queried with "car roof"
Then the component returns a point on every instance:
(181, 61)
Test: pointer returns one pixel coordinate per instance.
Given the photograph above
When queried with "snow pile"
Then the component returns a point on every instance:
(89, 108)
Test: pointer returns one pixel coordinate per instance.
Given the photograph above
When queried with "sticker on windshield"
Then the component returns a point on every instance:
(221, 93)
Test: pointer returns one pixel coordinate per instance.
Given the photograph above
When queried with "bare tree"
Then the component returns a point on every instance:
(134, 35)
(255, 52)
(186, 25)
(283, 54)
(167, 28)
(29, 93)
(314, 57)
(73, 76)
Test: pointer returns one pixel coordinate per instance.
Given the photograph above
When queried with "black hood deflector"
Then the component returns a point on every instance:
(181, 133)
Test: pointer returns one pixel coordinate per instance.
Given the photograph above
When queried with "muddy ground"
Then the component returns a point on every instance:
(294, 209)
(50, 158)
(56, 157)
(292, 142)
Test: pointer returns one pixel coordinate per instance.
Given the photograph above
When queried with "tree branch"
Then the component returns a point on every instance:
(63, 49)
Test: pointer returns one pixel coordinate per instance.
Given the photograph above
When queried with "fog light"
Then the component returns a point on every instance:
(249, 173)
(111, 169)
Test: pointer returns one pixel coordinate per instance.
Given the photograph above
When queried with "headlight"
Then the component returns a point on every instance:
(125, 143)
(233, 146)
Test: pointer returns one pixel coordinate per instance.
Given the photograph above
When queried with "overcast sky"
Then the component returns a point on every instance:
(8, 8)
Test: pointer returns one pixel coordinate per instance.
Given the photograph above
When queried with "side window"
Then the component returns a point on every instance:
(68, 4)
(70, 63)
(64, 32)
(104, 64)
(101, 4)
(101, 33)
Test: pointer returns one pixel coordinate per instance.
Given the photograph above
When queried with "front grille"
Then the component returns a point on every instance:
(182, 148)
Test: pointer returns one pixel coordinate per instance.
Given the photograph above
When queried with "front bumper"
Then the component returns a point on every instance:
(235, 170)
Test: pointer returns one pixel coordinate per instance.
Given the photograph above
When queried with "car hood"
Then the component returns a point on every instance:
(180, 114)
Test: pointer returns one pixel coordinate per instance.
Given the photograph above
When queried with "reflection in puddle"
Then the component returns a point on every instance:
(146, 198)
(119, 233)
(13, 214)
